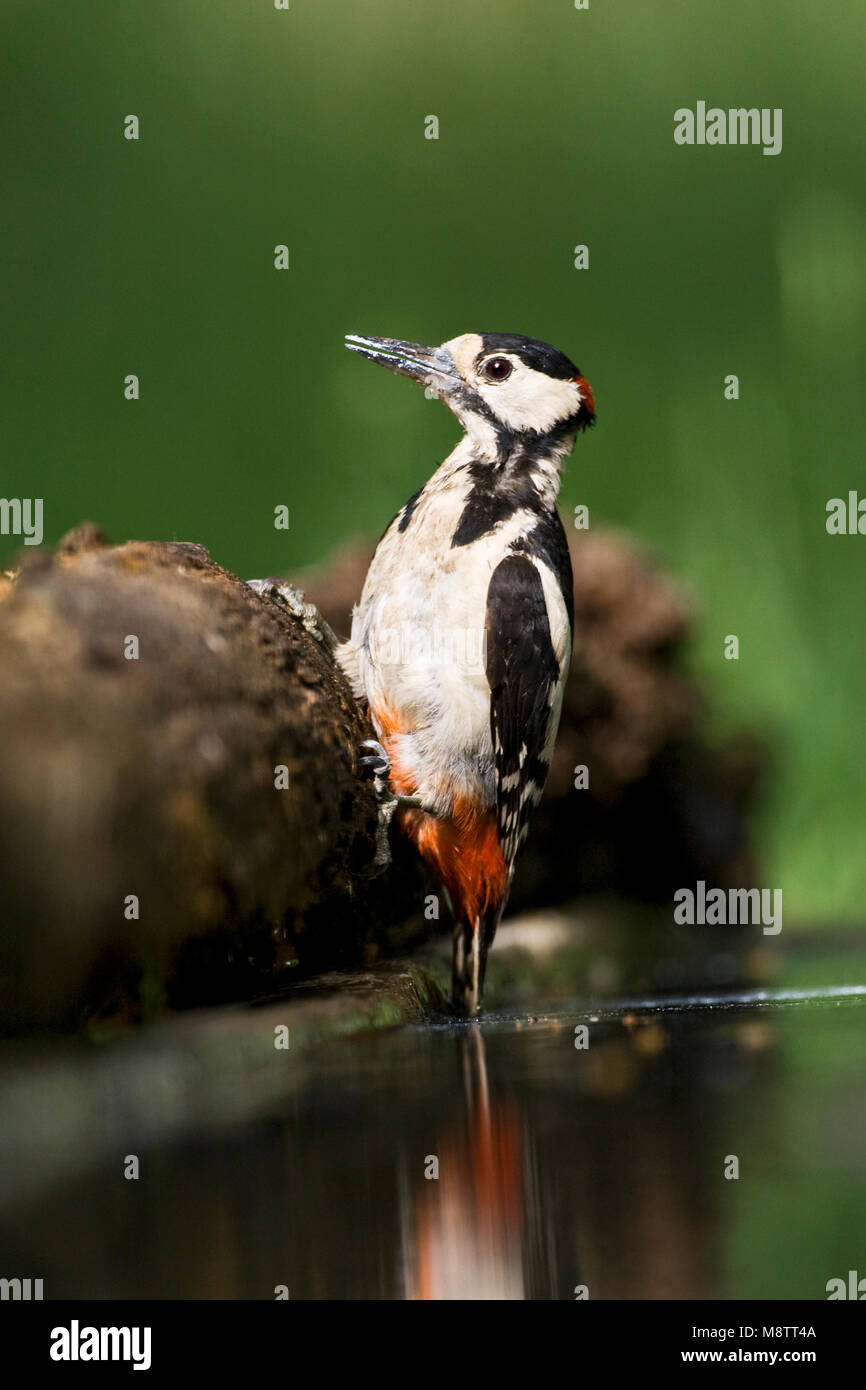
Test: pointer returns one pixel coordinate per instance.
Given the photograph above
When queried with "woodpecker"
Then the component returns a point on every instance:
(461, 641)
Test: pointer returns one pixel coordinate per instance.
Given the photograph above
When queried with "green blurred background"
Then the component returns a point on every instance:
(306, 127)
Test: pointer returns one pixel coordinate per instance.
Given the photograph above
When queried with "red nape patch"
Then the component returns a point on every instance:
(588, 399)
(464, 851)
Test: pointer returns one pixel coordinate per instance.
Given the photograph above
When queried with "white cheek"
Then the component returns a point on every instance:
(530, 400)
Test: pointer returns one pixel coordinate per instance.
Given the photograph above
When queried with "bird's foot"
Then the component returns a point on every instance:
(374, 762)
(292, 599)
(378, 765)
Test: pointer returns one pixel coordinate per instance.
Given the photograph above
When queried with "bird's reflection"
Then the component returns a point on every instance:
(615, 1192)
(463, 1232)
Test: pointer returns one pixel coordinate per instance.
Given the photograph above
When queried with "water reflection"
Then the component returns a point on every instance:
(463, 1229)
(558, 1167)
(608, 1184)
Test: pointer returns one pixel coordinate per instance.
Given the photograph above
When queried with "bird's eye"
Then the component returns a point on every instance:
(497, 369)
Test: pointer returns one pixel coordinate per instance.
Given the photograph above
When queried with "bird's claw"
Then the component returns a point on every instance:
(377, 764)
(292, 599)
(374, 762)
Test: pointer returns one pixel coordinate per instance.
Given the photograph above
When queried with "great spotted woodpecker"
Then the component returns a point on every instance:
(461, 641)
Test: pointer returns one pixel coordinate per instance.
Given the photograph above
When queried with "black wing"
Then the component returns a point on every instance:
(523, 671)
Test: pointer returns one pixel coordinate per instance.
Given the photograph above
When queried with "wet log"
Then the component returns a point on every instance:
(181, 816)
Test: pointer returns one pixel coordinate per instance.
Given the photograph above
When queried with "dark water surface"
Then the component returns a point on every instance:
(558, 1167)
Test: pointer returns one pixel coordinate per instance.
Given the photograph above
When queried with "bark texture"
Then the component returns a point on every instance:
(155, 778)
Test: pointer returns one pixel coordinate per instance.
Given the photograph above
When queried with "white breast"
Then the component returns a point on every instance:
(418, 640)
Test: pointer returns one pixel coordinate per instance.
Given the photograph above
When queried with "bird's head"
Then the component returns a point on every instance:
(502, 387)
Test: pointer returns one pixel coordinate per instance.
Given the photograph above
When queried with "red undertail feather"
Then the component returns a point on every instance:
(462, 849)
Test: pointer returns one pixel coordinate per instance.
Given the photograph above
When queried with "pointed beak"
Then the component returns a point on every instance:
(433, 367)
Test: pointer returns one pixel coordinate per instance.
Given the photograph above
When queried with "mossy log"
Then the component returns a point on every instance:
(181, 814)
